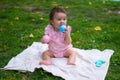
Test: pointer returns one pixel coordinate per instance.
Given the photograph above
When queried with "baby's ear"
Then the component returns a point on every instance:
(51, 22)
(69, 28)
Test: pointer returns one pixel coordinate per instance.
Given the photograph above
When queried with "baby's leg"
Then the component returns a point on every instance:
(46, 56)
(71, 54)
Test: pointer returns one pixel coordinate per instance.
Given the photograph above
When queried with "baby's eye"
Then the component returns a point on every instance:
(64, 19)
(58, 19)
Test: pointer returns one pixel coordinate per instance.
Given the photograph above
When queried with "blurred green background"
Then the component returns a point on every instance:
(95, 25)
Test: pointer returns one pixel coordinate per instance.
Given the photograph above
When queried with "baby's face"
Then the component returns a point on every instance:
(59, 19)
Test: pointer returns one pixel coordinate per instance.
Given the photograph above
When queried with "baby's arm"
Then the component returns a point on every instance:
(46, 38)
(68, 39)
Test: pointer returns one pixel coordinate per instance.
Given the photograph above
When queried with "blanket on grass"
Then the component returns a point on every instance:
(93, 66)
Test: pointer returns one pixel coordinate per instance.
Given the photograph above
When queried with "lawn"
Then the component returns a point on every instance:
(95, 25)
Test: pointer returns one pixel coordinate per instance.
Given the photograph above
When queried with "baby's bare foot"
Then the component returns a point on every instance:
(71, 63)
(44, 62)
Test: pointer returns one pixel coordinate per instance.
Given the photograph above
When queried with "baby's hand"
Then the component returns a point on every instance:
(69, 29)
(45, 39)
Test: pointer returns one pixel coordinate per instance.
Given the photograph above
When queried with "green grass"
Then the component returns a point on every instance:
(19, 19)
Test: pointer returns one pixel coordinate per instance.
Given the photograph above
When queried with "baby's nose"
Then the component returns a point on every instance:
(62, 22)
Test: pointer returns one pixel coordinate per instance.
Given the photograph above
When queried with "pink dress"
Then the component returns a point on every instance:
(56, 45)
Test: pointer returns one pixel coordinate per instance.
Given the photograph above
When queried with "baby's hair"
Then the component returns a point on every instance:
(54, 10)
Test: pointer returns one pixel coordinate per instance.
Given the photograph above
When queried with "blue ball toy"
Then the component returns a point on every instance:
(62, 28)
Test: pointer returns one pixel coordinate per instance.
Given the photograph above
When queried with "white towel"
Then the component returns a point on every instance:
(85, 68)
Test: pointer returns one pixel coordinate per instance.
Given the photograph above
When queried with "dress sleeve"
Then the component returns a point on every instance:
(47, 30)
(46, 36)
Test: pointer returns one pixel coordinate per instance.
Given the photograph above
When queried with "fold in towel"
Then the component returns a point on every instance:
(85, 68)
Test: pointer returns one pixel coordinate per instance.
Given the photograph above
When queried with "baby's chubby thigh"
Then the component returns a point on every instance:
(69, 52)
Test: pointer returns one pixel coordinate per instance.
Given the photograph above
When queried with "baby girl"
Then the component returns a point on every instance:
(59, 43)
